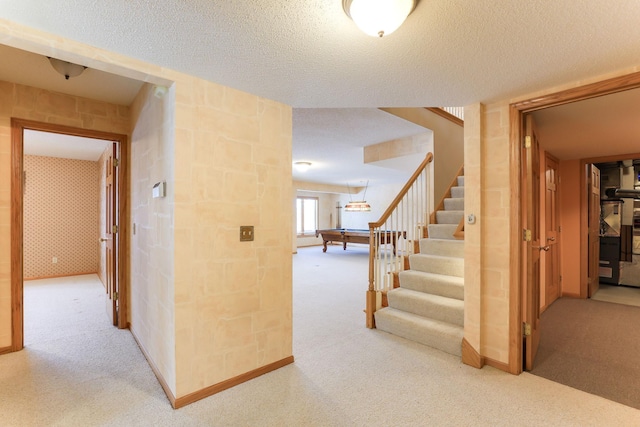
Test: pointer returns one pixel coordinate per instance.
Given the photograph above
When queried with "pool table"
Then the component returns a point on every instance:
(347, 235)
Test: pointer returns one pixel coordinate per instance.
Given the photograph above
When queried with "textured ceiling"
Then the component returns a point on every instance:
(332, 139)
(308, 53)
(597, 127)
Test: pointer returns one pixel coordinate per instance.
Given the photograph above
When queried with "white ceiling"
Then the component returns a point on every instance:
(19, 66)
(603, 126)
(48, 144)
(332, 139)
(309, 54)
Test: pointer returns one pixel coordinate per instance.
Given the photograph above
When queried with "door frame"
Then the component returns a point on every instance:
(516, 113)
(18, 126)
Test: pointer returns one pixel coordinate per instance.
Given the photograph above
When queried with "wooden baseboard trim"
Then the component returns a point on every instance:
(5, 350)
(470, 356)
(154, 368)
(232, 382)
(498, 365)
(26, 279)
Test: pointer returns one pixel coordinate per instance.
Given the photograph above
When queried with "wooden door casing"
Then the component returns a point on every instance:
(18, 126)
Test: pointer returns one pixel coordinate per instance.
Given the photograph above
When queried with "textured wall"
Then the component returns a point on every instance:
(233, 304)
(37, 104)
(60, 217)
(152, 250)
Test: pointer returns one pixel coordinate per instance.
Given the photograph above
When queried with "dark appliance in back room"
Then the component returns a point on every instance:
(611, 212)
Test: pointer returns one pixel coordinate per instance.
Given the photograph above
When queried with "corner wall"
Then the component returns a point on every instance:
(448, 145)
(570, 223)
(151, 290)
(233, 299)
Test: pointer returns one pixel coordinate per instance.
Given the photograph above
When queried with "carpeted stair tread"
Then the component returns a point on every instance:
(440, 335)
(442, 247)
(457, 192)
(449, 310)
(451, 266)
(449, 217)
(454, 204)
(436, 284)
(461, 181)
(442, 231)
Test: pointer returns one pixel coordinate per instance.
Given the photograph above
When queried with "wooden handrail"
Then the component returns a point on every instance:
(446, 115)
(428, 159)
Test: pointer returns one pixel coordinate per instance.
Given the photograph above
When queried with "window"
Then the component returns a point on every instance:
(307, 215)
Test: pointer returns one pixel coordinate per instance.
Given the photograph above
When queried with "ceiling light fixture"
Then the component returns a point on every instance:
(359, 205)
(67, 69)
(378, 18)
(302, 166)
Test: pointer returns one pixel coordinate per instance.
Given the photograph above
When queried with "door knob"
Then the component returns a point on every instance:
(551, 239)
(103, 240)
(542, 248)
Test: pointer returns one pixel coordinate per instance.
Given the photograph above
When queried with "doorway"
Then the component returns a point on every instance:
(523, 311)
(116, 294)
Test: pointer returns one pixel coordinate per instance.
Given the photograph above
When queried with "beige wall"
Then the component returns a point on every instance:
(232, 168)
(570, 223)
(448, 145)
(152, 305)
(60, 217)
(40, 105)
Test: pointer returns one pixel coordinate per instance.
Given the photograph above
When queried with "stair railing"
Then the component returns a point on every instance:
(397, 234)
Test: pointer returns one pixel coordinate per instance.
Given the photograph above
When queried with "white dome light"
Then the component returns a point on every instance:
(378, 17)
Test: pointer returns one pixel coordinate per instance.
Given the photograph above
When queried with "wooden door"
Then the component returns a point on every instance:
(110, 237)
(551, 233)
(531, 242)
(593, 188)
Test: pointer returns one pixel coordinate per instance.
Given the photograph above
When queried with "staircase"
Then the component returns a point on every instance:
(428, 306)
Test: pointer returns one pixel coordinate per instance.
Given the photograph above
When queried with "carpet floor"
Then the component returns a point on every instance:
(86, 373)
(592, 346)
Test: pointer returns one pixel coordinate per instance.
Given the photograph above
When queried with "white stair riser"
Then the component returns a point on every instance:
(444, 337)
(435, 284)
(447, 310)
(443, 247)
(437, 264)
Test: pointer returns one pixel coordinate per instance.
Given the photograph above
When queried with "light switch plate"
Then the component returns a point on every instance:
(246, 233)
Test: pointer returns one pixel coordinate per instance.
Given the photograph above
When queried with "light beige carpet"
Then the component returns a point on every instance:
(344, 374)
(618, 294)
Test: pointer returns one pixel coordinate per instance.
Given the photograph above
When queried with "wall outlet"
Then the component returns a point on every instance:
(246, 233)
(54, 260)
